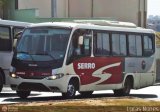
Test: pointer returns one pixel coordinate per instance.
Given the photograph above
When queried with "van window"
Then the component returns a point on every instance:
(5, 40)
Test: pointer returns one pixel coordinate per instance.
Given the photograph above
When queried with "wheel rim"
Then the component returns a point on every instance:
(71, 90)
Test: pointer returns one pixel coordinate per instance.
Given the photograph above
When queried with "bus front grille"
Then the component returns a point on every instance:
(33, 87)
(33, 77)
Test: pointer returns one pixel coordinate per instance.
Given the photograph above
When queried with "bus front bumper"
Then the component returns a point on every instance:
(52, 85)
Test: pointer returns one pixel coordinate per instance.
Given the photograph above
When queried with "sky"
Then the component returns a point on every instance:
(154, 7)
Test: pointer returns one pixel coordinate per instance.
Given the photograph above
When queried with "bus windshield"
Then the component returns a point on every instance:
(43, 44)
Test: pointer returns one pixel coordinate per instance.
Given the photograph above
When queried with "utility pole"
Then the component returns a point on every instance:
(139, 13)
(145, 14)
(68, 7)
(92, 8)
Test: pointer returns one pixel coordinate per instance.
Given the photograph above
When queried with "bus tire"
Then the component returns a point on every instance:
(71, 91)
(86, 93)
(125, 91)
(23, 94)
(1, 81)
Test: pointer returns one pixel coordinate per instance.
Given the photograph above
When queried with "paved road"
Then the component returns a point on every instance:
(8, 96)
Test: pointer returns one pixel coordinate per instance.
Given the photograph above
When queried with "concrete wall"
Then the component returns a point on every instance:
(121, 10)
(80, 8)
(43, 7)
(62, 7)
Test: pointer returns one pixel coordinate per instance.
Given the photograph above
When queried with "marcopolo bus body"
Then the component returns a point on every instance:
(85, 57)
(8, 29)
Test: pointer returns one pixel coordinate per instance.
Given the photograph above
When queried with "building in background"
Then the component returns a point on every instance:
(134, 11)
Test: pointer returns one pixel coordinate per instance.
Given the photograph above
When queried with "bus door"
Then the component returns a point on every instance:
(80, 55)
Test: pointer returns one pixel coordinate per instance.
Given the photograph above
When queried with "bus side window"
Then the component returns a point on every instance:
(5, 39)
(135, 45)
(119, 45)
(148, 45)
(132, 45)
(101, 44)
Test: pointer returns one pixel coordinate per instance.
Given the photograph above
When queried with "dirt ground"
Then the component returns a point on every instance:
(124, 104)
(124, 101)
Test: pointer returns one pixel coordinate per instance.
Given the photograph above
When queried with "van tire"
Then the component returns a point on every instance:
(125, 90)
(23, 94)
(71, 91)
(1, 81)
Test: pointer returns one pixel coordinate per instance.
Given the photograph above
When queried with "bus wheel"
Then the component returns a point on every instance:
(126, 90)
(1, 81)
(71, 91)
(23, 94)
(86, 93)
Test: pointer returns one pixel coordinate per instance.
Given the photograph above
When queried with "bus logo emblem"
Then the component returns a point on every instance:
(32, 65)
(32, 74)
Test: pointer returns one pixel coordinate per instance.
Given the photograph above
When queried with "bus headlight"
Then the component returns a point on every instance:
(12, 72)
(13, 75)
(56, 76)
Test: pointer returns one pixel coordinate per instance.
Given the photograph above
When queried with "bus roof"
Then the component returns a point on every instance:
(77, 25)
(14, 23)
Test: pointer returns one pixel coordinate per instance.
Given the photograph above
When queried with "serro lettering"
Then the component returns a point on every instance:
(86, 65)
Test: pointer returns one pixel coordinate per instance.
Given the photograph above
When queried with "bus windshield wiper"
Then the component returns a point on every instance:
(26, 52)
(46, 53)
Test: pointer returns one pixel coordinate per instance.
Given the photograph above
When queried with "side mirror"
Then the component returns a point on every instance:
(80, 40)
(18, 35)
(14, 44)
